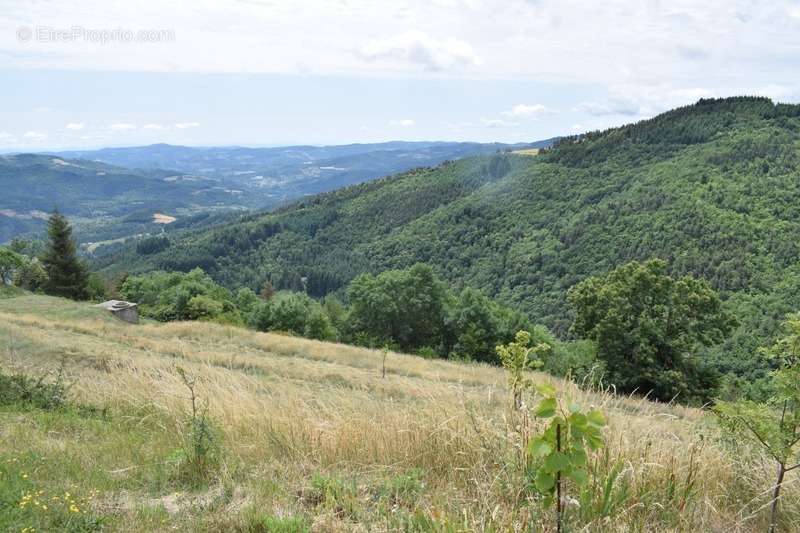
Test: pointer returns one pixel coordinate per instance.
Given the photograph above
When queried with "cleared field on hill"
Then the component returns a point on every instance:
(311, 437)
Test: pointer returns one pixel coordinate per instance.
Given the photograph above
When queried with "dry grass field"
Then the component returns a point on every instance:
(308, 436)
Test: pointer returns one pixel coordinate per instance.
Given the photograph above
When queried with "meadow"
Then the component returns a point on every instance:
(316, 436)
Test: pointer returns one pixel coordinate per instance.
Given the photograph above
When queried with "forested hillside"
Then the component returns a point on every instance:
(711, 188)
(105, 201)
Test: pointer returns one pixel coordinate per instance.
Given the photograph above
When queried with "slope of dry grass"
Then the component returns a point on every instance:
(312, 438)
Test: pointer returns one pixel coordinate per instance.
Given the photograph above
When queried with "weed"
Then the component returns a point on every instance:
(199, 457)
(24, 391)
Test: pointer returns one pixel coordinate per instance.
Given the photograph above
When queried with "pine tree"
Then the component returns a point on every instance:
(68, 276)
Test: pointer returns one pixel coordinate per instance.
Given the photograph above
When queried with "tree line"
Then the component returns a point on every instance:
(637, 327)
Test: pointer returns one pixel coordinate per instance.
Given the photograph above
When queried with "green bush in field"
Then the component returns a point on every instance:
(560, 452)
(180, 296)
(31, 276)
(24, 391)
(10, 263)
(518, 358)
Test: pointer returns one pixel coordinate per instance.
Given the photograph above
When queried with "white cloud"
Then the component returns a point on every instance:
(498, 123)
(524, 110)
(35, 135)
(714, 43)
(186, 125)
(122, 126)
(5, 135)
(75, 126)
(405, 123)
(417, 48)
(609, 107)
(153, 126)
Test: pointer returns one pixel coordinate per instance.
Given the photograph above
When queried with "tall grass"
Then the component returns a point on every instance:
(291, 411)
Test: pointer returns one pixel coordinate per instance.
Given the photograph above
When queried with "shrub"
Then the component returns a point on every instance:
(180, 296)
(560, 451)
(21, 390)
(31, 276)
(294, 313)
(200, 454)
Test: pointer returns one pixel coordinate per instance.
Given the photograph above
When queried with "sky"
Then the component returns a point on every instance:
(93, 73)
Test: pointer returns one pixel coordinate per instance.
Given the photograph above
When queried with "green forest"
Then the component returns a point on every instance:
(711, 189)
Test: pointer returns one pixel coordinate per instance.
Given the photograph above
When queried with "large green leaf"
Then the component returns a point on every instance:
(545, 481)
(556, 462)
(539, 447)
(579, 476)
(546, 408)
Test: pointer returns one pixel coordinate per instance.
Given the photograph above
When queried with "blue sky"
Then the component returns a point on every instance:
(260, 72)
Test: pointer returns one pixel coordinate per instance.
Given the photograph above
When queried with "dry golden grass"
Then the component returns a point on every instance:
(288, 409)
(527, 151)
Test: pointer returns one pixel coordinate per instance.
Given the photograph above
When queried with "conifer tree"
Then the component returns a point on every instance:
(67, 275)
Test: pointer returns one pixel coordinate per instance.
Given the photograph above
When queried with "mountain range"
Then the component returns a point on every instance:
(113, 193)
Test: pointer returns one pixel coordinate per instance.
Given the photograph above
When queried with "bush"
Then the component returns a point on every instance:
(21, 390)
(180, 296)
(202, 306)
(294, 313)
(31, 276)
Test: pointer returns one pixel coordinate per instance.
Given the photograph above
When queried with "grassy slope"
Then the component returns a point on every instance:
(310, 430)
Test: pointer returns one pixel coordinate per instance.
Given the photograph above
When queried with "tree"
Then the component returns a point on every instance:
(295, 313)
(67, 275)
(775, 424)
(181, 296)
(10, 263)
(406, 307)
(476, 324)
(648, 325)
(31, 276)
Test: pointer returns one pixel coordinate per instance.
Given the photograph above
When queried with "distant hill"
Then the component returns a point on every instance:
(102, 199)
(283, 173)
(97, 187)
(712, 188)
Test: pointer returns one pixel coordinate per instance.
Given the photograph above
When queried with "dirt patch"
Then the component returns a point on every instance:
(160, 218)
